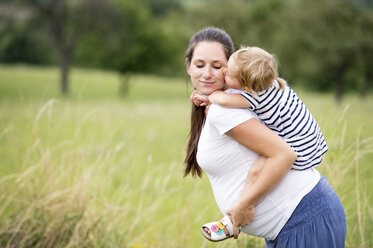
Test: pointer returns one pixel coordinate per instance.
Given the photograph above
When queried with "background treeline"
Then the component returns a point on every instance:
(324, 45)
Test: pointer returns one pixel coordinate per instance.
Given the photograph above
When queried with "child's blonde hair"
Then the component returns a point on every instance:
(257, 69)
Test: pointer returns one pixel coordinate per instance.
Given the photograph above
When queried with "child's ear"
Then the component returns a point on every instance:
(225, 70)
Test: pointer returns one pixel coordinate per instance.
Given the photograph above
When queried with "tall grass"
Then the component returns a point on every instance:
(97, 170)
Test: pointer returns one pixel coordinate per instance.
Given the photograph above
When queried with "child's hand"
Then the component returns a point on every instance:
(201, 99)
(198, 99)
(192, 98)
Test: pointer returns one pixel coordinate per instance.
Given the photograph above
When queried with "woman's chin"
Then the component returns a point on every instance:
(207, 91)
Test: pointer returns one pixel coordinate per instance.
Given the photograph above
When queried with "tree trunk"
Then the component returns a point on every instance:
(367, 83)
(338, 84)
(124, 84)
(64, 69)
(338, 80)
(64, 53)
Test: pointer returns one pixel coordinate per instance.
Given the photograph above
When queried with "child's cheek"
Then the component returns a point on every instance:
(226, 79)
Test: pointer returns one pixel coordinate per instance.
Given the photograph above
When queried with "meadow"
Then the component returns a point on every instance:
(96, 169)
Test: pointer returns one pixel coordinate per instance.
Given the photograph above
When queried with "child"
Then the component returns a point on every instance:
(254, 71)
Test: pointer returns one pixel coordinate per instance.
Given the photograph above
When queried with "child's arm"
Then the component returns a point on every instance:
(228, 100)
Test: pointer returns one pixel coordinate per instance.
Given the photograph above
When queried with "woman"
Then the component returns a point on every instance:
(291, 208)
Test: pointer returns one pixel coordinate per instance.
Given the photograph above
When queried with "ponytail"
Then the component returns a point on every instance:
(281, 83)
(197, 119)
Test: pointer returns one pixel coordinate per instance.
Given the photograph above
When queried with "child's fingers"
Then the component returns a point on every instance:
(193, 94)
(201, 98)
(199, 101)
(207, 107)
(197, 96)
(196, 102)
(236, 231)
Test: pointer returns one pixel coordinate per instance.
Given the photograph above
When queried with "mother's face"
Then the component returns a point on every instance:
(206, 67)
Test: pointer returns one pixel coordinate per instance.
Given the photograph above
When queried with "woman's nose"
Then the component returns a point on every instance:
(207, 73)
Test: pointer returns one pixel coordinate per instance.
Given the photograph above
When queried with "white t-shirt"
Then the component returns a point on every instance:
(227, 163)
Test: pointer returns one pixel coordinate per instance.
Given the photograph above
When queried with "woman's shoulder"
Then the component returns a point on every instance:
(220, 112)
(225, 119)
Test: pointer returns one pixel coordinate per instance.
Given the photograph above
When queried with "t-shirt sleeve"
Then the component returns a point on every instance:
(251, 99)
(224, 119)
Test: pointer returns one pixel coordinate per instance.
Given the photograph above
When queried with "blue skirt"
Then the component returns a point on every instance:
(319, 220)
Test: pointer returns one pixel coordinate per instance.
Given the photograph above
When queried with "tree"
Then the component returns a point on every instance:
(144, 47)
(322, 45)
(366, 49)
(67, 21)
(23, 39)
(130, 41)
(332, 37)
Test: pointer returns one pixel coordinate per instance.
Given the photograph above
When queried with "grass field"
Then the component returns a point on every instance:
(98, 170)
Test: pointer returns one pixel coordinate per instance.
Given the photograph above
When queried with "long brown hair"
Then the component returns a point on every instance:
(198, 113)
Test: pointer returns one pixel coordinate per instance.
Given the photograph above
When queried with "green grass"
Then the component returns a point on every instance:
(98, 170)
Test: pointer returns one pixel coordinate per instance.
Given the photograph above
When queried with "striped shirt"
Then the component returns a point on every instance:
(284, 113)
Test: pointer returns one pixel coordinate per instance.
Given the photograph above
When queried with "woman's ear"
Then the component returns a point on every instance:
(188, 69)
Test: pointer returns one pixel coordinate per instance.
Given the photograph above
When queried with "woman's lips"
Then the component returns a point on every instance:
(207, 83)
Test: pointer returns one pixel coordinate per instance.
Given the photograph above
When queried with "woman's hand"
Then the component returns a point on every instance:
(240, 216)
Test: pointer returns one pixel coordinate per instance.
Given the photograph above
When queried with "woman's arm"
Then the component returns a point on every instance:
(254, 172)
(280, 157)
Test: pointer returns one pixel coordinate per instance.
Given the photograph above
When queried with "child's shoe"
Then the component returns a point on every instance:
(217, 230)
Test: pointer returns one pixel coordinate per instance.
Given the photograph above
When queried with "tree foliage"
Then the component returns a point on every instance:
(321, 45)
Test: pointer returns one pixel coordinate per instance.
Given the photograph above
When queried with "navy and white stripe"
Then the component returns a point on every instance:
(284, 113)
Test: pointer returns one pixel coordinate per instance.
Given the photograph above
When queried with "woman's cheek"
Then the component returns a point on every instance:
(196, 83)
(222, 80)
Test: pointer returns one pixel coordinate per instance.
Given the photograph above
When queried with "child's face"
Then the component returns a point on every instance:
(231, 75)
